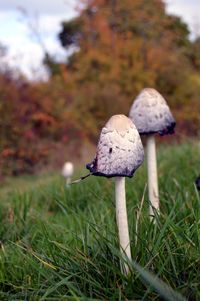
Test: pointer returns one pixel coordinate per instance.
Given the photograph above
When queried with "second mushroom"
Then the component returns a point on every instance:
(151, 114)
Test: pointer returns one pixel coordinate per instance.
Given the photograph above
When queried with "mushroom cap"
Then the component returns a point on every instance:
(197, 182)
(119, 150)
(151, 114)
(68, 169)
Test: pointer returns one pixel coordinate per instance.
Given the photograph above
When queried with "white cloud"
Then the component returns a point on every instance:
(41, 6)
(24, 50)
(51, 23)
(28, 59)
(189, 11)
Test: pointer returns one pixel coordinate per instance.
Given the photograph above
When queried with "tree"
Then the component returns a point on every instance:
(122, 47)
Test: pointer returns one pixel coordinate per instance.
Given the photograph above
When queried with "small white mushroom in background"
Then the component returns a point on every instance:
(119, 154)
(151, 114)
(67, 171)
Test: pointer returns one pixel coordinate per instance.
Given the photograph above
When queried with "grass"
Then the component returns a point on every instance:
(62, 244)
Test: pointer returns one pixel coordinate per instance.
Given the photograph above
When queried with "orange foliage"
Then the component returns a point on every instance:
(121, 47)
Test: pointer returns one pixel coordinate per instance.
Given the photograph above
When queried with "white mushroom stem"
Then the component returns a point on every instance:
(68, 180)
(122, 221)
(152, 175)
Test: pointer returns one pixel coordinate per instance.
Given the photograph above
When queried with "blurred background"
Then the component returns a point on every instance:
(67, 66)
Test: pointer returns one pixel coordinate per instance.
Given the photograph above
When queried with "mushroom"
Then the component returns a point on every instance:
(119, 154)
(67, 171)
(197, 182)
(151, 114)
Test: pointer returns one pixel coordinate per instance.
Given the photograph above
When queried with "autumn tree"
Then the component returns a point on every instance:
(36, 121)
(114, 49)
(121, 47)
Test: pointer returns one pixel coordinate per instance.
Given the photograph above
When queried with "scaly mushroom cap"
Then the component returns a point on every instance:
(68, 169)
(151, 114)
(119, 151)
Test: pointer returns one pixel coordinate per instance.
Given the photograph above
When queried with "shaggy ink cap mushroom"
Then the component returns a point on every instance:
(197, 182)
(151, 114)
(119, 151)
(68, 169)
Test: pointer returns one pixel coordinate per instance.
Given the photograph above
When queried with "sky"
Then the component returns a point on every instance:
(20, 18)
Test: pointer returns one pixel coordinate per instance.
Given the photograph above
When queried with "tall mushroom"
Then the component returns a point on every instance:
(151, 114)
(119, 154)
(67, 171)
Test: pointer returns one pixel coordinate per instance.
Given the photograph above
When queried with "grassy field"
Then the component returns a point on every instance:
(62, 244)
